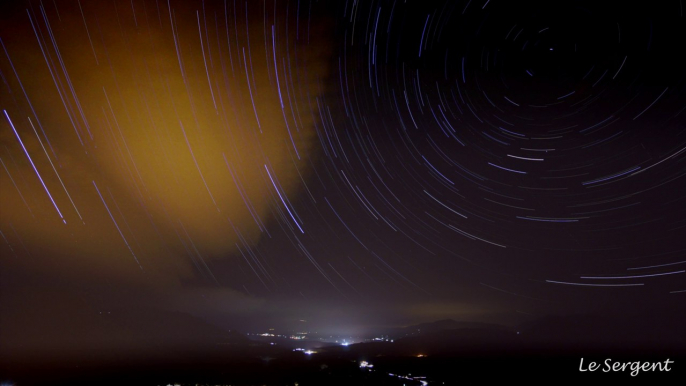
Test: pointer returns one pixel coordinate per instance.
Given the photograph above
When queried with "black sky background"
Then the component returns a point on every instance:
(485, 161)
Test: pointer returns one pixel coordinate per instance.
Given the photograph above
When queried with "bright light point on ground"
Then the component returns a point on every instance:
(366, 364)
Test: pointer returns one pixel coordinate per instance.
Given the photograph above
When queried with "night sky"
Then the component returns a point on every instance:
(349, 163)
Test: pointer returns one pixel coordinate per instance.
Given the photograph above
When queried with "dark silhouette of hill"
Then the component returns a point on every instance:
(629, 332)
(538, 351)
(552, 335)
(455, 341)
(439, 325)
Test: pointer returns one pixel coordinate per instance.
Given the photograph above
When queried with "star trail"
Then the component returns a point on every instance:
(402, 161)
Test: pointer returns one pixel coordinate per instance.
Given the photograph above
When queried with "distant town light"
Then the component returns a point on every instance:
(365, 364)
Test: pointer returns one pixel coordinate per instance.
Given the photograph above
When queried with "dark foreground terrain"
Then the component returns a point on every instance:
(446, 352)
(342, 368)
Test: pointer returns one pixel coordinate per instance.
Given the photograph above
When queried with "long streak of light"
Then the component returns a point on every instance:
(34, 167)
(54, 169)
(117, 225)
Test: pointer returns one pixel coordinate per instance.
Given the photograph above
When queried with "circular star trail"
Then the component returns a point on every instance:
(490, 155)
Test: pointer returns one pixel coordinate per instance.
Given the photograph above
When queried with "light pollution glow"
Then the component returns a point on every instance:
(176, 133)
